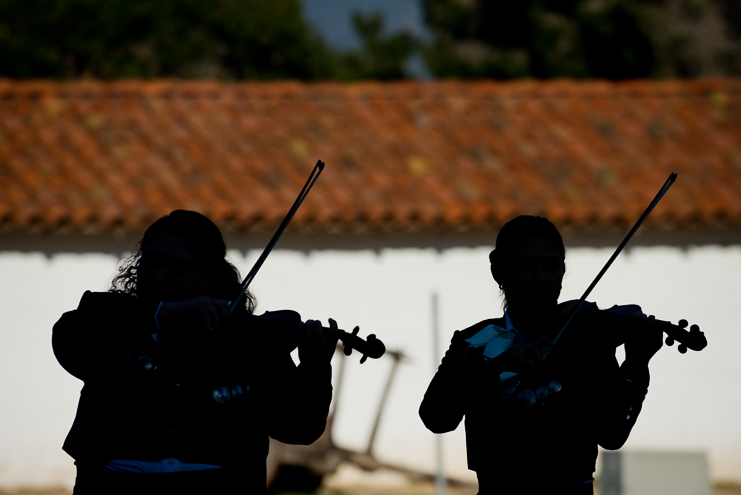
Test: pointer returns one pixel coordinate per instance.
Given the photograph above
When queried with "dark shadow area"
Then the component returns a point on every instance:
(295, 479)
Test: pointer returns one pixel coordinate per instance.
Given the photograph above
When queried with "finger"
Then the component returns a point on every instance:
(333, 334)
(318, 329)
(302, 329)
(204, 310)
(222, 314)
(306, 336)
(210, 310)
(223, 310)
(317, 332)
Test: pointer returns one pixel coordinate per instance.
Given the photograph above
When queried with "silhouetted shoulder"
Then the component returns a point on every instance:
(469, 332)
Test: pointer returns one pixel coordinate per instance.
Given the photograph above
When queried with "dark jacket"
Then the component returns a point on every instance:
(555, 440)
(147, 400)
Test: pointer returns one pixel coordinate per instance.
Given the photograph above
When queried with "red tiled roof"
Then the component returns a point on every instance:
(444, 156)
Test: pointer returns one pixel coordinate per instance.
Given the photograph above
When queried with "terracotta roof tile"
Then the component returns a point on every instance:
(400, 157)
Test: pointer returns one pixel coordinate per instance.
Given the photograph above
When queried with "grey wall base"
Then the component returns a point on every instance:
(653, 473)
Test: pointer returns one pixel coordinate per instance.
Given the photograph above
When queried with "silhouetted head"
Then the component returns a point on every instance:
(182, 255)
(528, 262)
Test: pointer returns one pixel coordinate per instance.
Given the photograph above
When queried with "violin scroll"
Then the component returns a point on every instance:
(694, 339)
(370, 348)
(280, 330)
(348, 348)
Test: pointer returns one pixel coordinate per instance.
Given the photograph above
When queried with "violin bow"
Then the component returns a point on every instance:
(296, 204)
(575, 309)
(662, 191)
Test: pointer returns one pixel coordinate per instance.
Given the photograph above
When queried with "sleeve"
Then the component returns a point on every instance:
(299, 401)
(97, 342)
(621, 403)
(442, 408)
(296, 398)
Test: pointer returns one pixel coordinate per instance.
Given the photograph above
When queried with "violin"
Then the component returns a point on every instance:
(286, 334)
(615, 321)
(280, 329)
(693, 339)
(607, 326)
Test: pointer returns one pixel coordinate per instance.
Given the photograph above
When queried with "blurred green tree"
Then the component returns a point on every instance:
(381, 56)
(612, 39)
(110, 39)
(222, 39)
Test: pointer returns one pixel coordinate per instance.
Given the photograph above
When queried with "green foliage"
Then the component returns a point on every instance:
(260, 39)
(731, 10)
(612, 39)
(222, 39)
(541, 38)
(380, 56)
(109, 39)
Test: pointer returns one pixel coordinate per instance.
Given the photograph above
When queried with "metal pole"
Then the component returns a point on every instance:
(337, 392)
(440, 485)
(382, 404)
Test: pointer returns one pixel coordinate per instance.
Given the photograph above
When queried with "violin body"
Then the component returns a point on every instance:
(280, 330)
(595, 328)
(615, 322)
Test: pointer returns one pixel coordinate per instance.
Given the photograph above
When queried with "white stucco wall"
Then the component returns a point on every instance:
(692, 403)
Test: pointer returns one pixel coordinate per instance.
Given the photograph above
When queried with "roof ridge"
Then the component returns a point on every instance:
(220, 89)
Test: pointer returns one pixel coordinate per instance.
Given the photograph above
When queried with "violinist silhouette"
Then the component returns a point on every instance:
(541, 435)
(178, 397)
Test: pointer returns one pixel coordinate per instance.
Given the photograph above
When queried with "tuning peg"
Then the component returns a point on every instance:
(694, 328)
(682, 324)
(669, 341)
(348, 349)
(682, 349)
(362, 360)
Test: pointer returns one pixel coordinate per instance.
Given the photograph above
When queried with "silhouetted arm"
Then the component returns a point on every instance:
(628, 385)
(621, 403)
(106, 335)
(294, 399)
(442, 408)
(298, 401)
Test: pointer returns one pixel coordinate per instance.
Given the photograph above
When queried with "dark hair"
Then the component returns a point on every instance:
(513, 232)
(205, 241)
